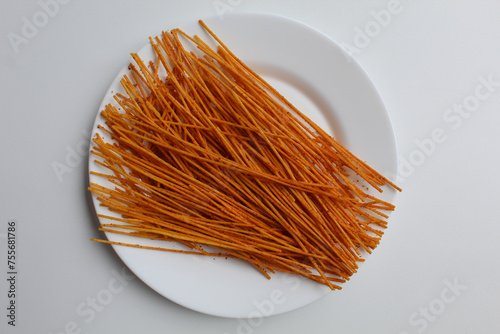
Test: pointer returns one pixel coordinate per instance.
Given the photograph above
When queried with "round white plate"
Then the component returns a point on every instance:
(315, 74)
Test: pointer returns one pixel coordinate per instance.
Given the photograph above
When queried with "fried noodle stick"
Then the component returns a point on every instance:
(211, 155)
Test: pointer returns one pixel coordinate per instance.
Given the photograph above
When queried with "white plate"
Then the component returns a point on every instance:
(315, 74)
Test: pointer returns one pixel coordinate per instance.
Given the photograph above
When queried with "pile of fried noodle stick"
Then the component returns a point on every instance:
(211, 155)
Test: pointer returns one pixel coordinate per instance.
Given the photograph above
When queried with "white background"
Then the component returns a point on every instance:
(428, 60)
